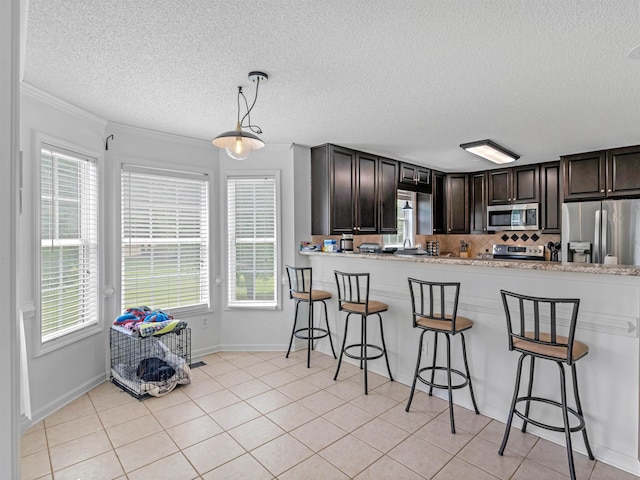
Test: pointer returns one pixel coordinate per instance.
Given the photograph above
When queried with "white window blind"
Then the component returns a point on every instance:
(68, 242)
(252, 244)
(165, 238)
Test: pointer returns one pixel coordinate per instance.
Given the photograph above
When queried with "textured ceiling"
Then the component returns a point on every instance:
(407, 79)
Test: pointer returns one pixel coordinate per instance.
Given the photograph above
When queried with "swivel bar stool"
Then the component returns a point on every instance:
(435, 309)
(301, 290)
(353, 298)
(532, 326)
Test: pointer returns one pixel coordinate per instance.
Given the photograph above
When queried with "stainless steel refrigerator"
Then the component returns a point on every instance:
(612, 227)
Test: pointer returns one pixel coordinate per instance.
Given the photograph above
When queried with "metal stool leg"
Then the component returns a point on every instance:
(529, 390)
(384, 347)
(293, 330)
(433, 365)
(364, 341)
(310, 335)
(466, 366)
(513, 406)
(326, 321)
(453, 423)
(574, 374)
(344, 342)
(565, 417)
(415, 377)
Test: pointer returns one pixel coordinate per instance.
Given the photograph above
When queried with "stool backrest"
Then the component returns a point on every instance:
(434, 300)
(353, 288)
(300, 281)
(537, 320)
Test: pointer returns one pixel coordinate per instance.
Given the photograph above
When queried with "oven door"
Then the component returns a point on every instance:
(512, 217)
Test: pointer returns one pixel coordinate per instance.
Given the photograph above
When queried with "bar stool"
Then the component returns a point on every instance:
(301, 290)
(353, 298)
(435, 309)
(527, 318)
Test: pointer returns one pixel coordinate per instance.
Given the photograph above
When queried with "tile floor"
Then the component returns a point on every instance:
(258, 415)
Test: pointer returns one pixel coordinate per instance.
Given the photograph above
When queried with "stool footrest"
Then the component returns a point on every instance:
(366, 355)
(546, 426)
(439, 385)
(300, 333)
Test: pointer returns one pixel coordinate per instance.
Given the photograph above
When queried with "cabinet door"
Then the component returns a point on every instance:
(584, 176)
(343, 190)
(499, 187)
(438, 203)
(407, 173)
(525, 184)
(623, 175)
(457, 203)
(387, 195)
(478, 202)
(423, 177)
(366, 200)
(414, 178)
(550, 198)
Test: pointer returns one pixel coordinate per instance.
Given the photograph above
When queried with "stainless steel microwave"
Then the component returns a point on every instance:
(522, 216)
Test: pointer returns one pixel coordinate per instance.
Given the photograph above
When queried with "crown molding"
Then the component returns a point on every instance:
(115, 127)
(41, 95)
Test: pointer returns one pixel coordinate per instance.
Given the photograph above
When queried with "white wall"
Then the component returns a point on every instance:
(9, 101)
(60, 376)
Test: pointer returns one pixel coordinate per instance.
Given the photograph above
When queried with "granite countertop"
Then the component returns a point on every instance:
(627, 270)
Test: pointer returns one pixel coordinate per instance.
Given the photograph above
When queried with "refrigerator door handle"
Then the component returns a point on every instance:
(603, 233)
(596, 239)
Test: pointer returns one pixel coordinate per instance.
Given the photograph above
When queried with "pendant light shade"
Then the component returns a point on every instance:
(238, 143)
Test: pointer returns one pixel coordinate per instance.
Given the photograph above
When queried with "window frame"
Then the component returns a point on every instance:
(275, 174)
(92, 328)
(159, 166)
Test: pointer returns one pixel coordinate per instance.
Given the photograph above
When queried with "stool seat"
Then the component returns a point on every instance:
(316, 295)
(372, 306)
(545, 350)
(535, 339)
(301, 290)
(353, 298)
(461, 324)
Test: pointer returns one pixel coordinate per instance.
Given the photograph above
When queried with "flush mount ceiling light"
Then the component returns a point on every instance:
(238, 143)
(491, 151)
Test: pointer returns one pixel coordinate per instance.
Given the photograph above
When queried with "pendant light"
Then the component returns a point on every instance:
(238, 143)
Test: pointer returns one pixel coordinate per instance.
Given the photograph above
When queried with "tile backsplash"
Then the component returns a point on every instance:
(451, 243)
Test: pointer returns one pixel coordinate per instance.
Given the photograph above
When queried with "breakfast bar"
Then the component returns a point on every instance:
(609, 377)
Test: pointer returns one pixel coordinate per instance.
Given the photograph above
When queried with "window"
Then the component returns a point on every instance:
(165, 239)
(405, 221)
(68, 242)
(253, 241)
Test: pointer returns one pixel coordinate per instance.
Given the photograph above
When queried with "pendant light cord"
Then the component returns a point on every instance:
(247, 116)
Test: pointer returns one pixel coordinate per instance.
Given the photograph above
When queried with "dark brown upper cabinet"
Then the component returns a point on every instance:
(478, 202)
(414, 178)
(550, 198)
(457, 186)
(611, 173)
(387, 195)
(514, 185)
(352, 192)
(584, 175)
(438, 202)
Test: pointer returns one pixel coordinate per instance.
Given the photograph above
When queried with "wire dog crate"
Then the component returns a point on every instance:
(152, 365)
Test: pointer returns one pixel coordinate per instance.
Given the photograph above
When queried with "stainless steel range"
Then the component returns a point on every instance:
(518, 252)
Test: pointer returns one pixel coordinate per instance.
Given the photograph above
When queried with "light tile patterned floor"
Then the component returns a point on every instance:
(259, 415)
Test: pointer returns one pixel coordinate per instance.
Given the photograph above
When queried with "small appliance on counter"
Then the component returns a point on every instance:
(346, 242)
(369, 248)
(518, 252)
